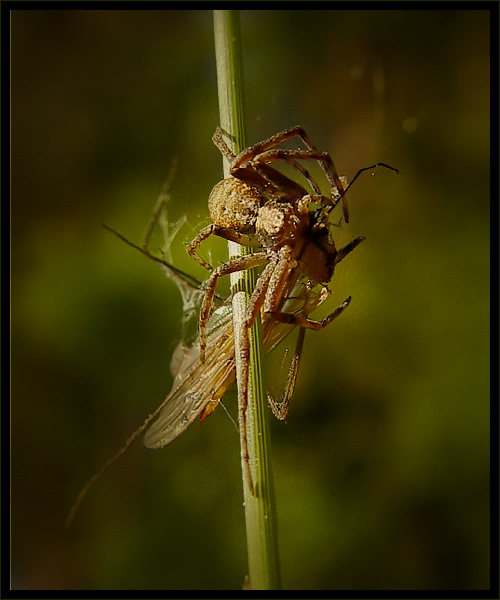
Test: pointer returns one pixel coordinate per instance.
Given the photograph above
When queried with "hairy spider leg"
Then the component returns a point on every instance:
(277, 179)
(262, 178)
(336, 185)
(223, 232)
(324, 159)
(242, 263)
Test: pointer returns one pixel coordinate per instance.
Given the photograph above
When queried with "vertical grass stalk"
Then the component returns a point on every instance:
(260, 509)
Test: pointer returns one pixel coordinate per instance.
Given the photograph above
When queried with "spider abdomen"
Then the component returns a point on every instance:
(234, 205)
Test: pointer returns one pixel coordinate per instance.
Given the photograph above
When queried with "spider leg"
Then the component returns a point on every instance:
(195, 243)
(265, 177)
(324, 159)
(238, 264)
(305, 173)
(326, 163)
(228, 234)
(279, 279)
(252, 151)
(218, 140)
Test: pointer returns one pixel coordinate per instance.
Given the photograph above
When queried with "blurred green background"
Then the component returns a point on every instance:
(382, 470)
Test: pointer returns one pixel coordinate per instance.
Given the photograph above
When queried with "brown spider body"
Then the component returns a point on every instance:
(235, 205)
(261, 207)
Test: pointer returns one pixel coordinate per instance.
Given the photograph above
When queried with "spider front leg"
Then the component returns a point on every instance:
(337, 189)
(239, 163)
(232, 266)
(252, 151)
(249, 153)
(228, 234)
(265, 178)
(323, 158)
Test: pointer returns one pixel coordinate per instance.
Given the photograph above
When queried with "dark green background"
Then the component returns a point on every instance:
(382, 470)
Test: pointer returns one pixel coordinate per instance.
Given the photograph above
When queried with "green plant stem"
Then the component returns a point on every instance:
(260, 508)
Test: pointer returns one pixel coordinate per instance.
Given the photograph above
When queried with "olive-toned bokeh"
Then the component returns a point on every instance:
(382, 470)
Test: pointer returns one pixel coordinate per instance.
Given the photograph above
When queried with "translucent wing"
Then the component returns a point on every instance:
(198, 386)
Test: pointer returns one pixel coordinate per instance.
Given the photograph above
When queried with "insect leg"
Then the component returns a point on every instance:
(343, 252)
(280, 409)
(161, 202)
(309, 323)
(228, 234)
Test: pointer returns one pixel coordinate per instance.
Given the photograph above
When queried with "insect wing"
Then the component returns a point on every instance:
(197, 384)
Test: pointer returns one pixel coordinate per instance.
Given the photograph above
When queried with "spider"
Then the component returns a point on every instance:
(259, 206)
(235, 201)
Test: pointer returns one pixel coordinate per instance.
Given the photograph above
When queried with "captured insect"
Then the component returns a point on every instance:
(198, 386)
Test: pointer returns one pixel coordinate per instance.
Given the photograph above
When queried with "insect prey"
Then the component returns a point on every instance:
(198, 386)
